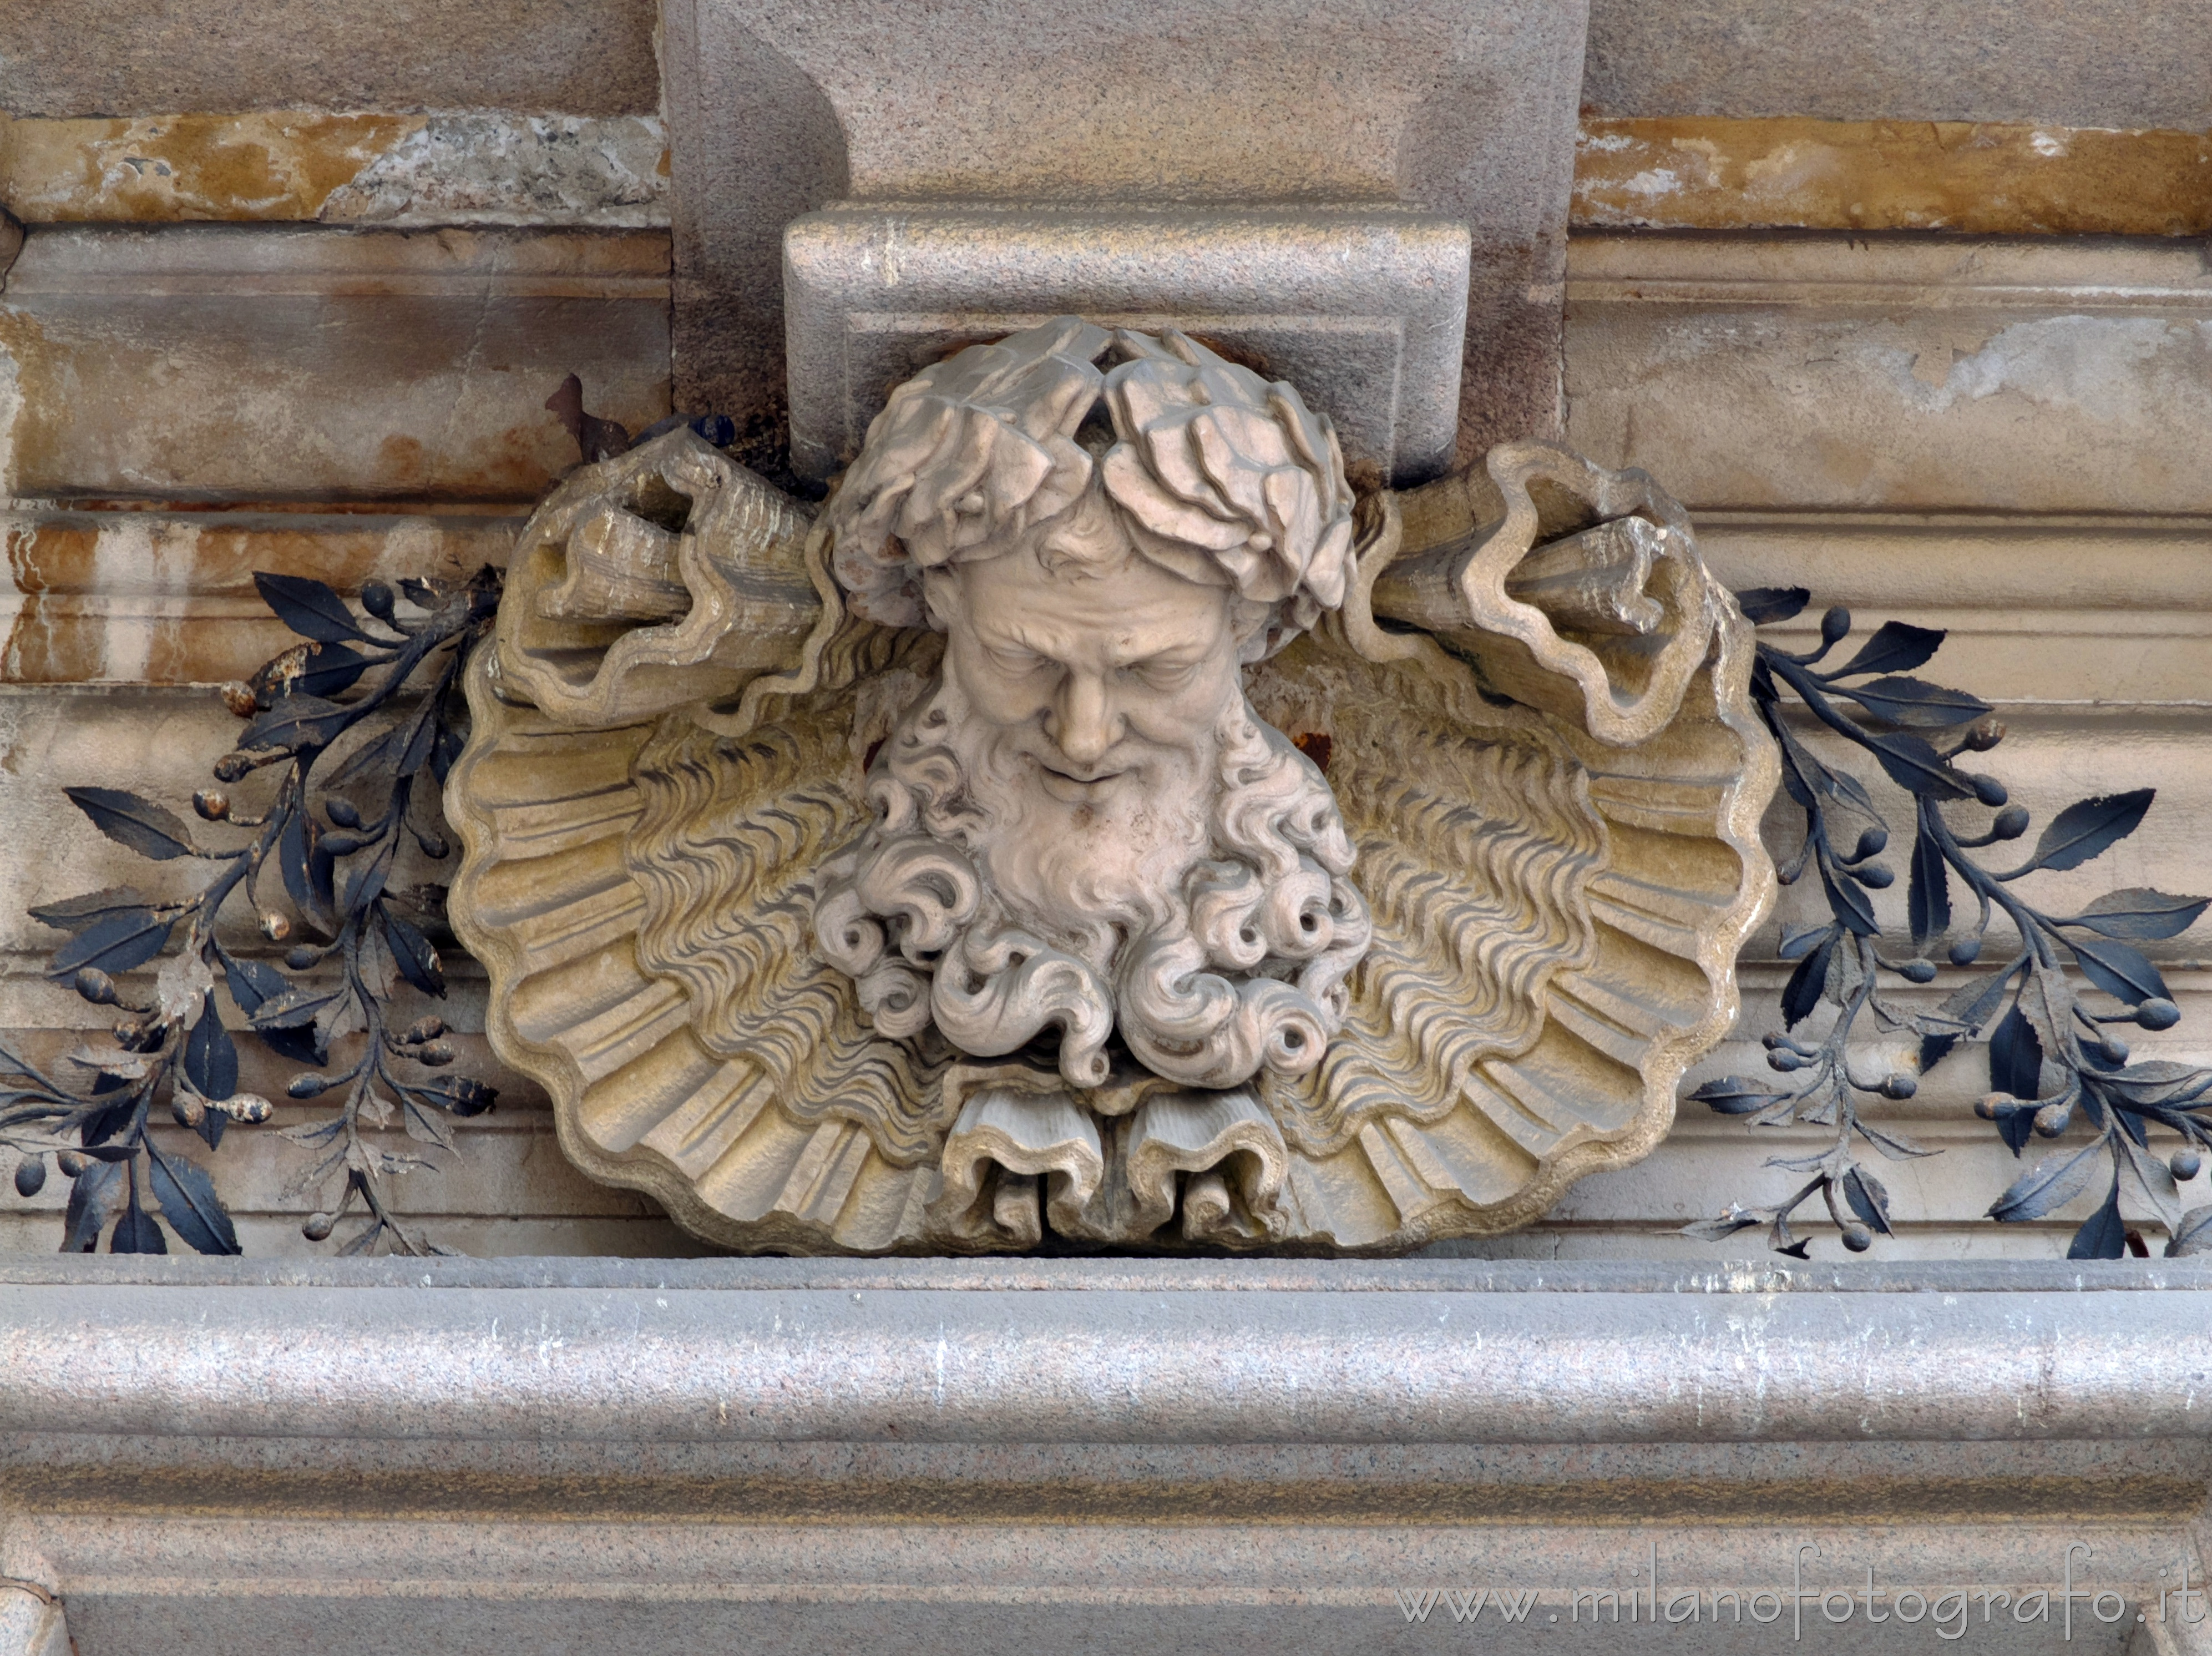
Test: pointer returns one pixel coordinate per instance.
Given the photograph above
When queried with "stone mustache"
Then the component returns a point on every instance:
(1098, 822)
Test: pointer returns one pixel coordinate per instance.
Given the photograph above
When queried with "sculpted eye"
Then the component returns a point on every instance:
(1162, 673)
(1016, 663)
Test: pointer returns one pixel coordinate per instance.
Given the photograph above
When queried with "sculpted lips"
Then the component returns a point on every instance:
(1078, 784)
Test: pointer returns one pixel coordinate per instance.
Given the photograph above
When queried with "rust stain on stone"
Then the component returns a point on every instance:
(30, 432)
(1713, 173)
(275, 165)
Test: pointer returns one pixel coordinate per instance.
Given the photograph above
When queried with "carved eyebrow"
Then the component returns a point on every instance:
(1187, 653)
(1015, 641)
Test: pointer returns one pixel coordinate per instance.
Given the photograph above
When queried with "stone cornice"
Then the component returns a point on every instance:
(1430, 1352)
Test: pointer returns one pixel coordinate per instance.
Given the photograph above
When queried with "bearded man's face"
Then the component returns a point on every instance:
(1085, 825)
(1093, 685)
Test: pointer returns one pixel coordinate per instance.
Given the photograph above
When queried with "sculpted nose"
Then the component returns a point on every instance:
(1084, 723)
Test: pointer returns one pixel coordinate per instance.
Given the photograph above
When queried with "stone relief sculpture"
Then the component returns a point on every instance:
(1097, 824)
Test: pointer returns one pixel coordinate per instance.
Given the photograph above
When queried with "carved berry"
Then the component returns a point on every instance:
(319, 1227)
(30, 1176)
(1918, 972)
(2158, 1013)
(2184, 1164)
(96, 986)
(1965, 951)
(212, 804)
(275, 927)
(1857, 1237)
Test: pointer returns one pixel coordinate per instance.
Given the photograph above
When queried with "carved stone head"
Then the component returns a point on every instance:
(1083, 830)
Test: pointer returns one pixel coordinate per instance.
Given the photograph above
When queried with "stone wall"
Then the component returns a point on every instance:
(297, 280)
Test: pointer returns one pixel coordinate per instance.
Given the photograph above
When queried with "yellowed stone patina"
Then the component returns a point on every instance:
(1098, 826)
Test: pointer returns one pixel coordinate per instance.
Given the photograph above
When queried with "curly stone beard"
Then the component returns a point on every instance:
(1208, 918)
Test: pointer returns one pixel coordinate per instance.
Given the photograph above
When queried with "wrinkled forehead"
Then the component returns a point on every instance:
(1112, 593)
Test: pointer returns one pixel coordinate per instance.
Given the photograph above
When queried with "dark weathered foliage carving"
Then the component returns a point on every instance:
(327, 842)
(2052, 1057)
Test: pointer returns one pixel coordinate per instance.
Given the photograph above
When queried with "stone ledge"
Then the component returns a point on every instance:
(1758, 1277)
(1004, 1457)
(1104, 1352)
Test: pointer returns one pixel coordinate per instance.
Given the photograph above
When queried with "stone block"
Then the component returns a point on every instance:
(159, 598)
(1893, 373)
(1718, 173)
(1366, 311)
(780, 107)
(112, 58)
(475, 167)
(213, 363)
(2079, 62)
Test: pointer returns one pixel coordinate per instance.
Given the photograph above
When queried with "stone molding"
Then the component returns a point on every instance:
(940, 1455)
(1363, 309)
(1074, 1352)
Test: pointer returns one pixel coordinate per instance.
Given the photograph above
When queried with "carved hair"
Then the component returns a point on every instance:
(1220, 476)
(1235, 963)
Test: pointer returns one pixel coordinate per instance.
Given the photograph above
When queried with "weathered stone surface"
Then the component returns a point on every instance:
(159, 598)
(673, 1455)
(1364, 311)
(115, 57)
(440, 168)
(777, 108)
(1713, 173)
(228, 365)
(2095, 611)
(32, 1622)
(2080, 63)
(1889, 373)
